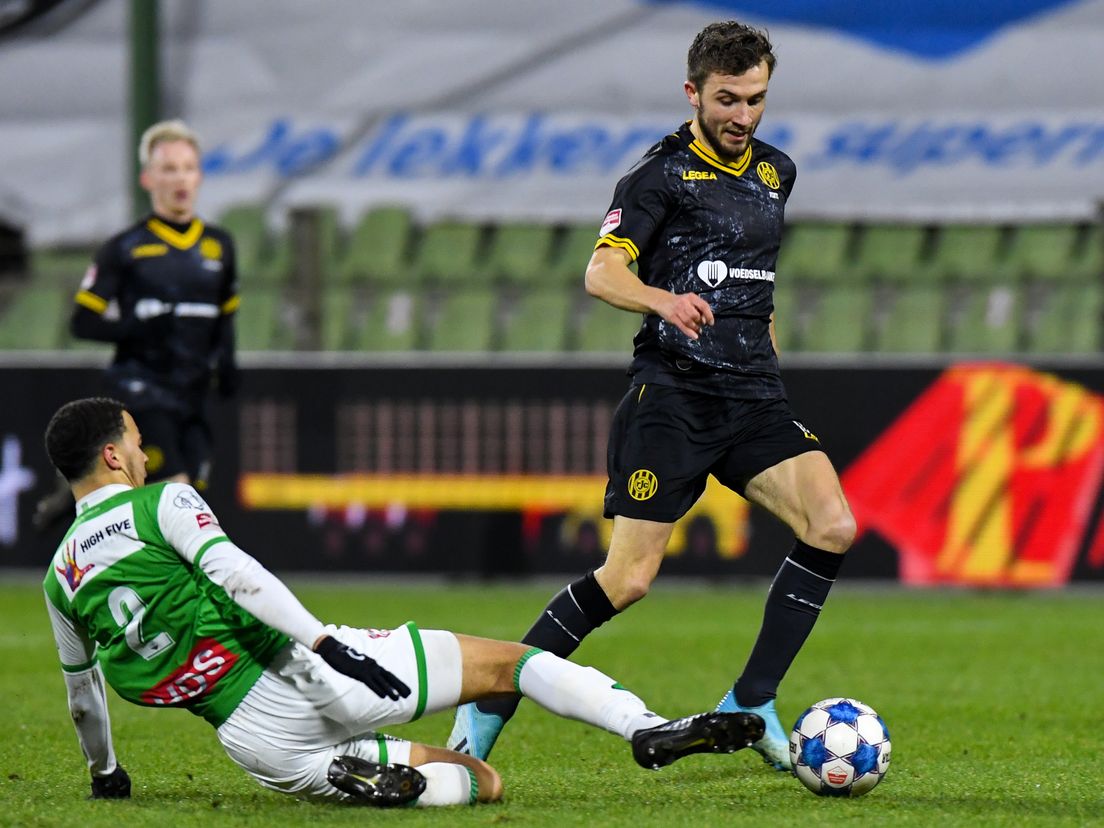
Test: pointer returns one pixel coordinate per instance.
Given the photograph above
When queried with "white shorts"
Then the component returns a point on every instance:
(302, 713)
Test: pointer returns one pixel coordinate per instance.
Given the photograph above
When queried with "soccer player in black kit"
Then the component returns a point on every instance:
(701, 214)
(164, 290)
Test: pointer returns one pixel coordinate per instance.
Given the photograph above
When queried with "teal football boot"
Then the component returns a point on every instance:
(474, 732)
(774, 747)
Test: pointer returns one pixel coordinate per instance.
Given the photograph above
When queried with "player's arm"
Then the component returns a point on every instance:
(84, 686)
(608, 278)
(227, 377)
(773, 338)
(188, 524)
(96, 312)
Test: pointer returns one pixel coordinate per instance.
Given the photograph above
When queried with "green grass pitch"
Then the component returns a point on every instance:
(993, 702)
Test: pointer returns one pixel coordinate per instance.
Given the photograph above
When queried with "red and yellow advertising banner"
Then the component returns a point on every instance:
(988, 478)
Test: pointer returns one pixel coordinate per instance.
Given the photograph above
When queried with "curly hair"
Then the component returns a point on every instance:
(727, 48)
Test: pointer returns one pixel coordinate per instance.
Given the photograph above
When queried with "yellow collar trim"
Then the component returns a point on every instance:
(709, 157)
(181, 241)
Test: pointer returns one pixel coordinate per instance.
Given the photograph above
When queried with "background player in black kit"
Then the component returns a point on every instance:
(702, 215)
(165, 292)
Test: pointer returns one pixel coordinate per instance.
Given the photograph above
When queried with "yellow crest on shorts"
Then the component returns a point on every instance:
(768, 175)
(642, 484)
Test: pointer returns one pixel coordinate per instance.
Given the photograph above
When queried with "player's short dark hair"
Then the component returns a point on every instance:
(727, 48)
(77, 432)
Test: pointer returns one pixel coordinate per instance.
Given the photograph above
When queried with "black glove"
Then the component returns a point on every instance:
(359, 666)
(116, 785)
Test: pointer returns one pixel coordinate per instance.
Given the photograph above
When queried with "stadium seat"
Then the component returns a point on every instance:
(61, 266)
(520, 253)
(1041, 251)
(603, 327)
(338, 308)
(968, 252)
(1068, 318)
(378, 250)
(463, 320)
(1088, 258)
(787, 327)
(259, 325)
(890, 253)
(572, 254)
(36, 318)
(912, 321)
(817, 252)
(985, 319)
(448, 254)
(840, 320)
(247, 225)
(390, 323)
(538, 320)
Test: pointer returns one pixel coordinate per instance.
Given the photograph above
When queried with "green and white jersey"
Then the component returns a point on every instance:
(125, 588)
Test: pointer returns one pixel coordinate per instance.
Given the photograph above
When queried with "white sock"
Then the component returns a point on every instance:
(447, 784)
(582, 693)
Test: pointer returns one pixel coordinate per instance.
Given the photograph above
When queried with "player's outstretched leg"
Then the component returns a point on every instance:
(375, 784)
(773, 744)
(659, 746)
(474, 732)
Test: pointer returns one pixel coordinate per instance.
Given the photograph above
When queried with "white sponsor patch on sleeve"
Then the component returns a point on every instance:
(611, 223)
(89, 278)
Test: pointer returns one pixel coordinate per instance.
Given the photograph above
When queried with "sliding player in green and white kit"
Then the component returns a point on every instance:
(147, 591)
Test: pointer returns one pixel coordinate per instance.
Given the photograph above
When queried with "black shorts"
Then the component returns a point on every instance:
(665, 442)
(175, 443)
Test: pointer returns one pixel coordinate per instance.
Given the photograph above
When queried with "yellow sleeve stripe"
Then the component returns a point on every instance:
(87, 299)
(230, 305)
(618, 241)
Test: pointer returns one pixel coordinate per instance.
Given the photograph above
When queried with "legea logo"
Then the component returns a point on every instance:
(712, 273)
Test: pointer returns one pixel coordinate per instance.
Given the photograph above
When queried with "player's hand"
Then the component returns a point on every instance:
(688, 312)
(116, 785)
(356, 665)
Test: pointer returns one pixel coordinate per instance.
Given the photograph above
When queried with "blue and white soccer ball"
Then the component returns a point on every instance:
(840, 747)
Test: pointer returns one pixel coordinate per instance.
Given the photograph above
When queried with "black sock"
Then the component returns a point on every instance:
(575, 611)
(796, 596)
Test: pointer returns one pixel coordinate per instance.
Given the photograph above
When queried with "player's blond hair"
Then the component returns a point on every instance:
(162, 131)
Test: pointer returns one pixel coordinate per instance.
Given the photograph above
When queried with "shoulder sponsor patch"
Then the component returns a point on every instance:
(89, 278)
(205, 519)
(611, 222)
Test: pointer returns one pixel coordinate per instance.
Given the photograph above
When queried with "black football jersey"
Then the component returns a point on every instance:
(163, 291)
(695, 223)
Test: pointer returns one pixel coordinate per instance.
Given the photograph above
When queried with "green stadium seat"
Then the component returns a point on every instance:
(605, 328)
(448, 254)
(571, 256)
(985, 319)
(520, 253)
(539, 320)
(339, 306)
(61, 266)
(390, 323)
(840, 320)
(247, 225)
(36, 318)
(1068, 319)
(817, 252)
(968, 252)
(378, 250)
(787, 321)
(259, 325)
(1088, 259)
(913, 322)
(1041, 251)
(331, 242)
(464, 320)
(890, 253)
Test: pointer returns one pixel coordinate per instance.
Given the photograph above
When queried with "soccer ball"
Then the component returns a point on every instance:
(839, 747)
